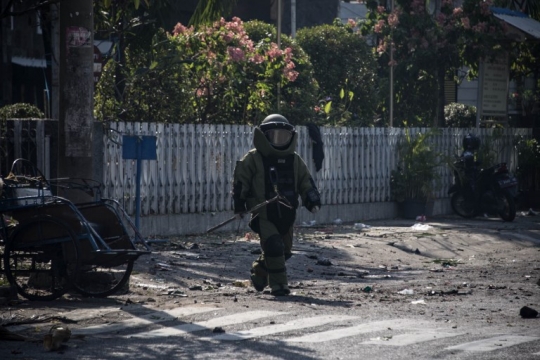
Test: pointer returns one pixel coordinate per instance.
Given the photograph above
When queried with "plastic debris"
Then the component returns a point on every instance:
(360, 226)
(308, 224)
(418, 302)
(338, 221)
(421, 218)
(420, 227)
(406, 292)
(367, 289)
(56, 336)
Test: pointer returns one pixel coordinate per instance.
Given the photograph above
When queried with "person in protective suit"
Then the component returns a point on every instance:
(273, 165)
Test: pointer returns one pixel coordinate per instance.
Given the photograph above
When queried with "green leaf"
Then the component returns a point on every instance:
(342, 94)
(137, 3)
(153, 65)
(328, 107)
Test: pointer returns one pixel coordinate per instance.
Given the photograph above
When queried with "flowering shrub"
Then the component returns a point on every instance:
(215, 74)
(427, 48)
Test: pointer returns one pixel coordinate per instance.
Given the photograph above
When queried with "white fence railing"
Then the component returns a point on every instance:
(195, 163)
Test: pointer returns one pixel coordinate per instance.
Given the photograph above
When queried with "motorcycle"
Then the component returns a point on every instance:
(483, 191)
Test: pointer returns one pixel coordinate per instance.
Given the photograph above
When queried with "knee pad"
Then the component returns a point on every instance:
(273, 246)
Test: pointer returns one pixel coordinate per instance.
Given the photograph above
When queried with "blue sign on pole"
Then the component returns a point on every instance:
(131, 145)
(139, 147)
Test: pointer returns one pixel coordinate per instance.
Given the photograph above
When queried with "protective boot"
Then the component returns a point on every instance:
(259, 275)
(275, 265)
(280, 290)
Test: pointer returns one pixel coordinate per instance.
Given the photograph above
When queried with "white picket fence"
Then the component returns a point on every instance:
(195, 163)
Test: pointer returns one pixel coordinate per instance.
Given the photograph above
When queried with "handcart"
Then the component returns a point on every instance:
(52, 245)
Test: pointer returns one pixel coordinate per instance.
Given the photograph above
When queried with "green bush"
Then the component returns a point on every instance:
(346, 71)
(528, 156)
(460, 115)
(298, 97)
(21, 111)
(416, 175)
(217, 74)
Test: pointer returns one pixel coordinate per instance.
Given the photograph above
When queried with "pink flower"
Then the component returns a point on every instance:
(466, 23)
(393, 20)
(274, 52)
(228, 36)
(201, 92)
(381, 9)
(382, 47)
(317, 108)
(236, 54)
(257, 59)
(457, 11)
(351, 23)
(291, 75)
(181, 29)
(288, 54)
(379, 26)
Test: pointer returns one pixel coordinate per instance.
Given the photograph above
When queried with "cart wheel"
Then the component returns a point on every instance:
(103, 281)
(41, 258)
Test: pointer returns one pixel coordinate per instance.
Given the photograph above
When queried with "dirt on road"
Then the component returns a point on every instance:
(393, 266)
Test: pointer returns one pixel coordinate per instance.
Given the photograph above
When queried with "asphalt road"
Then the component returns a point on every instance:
(448, 288)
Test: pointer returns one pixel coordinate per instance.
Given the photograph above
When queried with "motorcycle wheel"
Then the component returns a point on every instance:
(508, 205)
(463, 206)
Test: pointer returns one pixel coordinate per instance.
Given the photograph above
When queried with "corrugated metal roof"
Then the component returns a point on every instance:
(29, 62)
(518, 20)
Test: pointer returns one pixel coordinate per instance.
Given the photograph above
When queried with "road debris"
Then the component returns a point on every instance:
(56, 337)
(528, 313)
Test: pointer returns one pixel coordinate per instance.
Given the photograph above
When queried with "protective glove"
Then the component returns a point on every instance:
(314, 209)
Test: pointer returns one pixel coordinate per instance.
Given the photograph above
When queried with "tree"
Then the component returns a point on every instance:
(525, 63)
(216, 74)
(345, 70)
(427, 49)
(209, 11)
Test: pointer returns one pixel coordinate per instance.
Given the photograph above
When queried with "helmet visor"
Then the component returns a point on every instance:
(278, 137)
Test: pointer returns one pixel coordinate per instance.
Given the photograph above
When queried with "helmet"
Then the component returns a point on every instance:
(277, 130)
(471, 142)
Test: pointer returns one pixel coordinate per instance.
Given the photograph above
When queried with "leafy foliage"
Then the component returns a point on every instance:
(208, 11)
(21, 111)
(424, 49)
(460, 115)
(416, 176)
(216, 74)
(528, 155)
(345, 70)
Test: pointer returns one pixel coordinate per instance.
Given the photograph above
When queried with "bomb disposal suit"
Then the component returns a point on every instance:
(273, 164)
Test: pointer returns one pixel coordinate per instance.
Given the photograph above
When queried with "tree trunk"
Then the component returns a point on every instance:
(76, 91)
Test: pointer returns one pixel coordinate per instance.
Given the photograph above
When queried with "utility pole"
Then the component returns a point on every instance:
(391, 120)
(76, 121)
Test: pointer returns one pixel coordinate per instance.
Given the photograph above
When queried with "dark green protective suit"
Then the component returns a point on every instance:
(253, 184)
